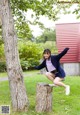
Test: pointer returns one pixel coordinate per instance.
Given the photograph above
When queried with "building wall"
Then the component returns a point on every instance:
(72, 69)
(68, 35)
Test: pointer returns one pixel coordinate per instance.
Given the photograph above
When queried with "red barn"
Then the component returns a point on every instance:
(68, 35)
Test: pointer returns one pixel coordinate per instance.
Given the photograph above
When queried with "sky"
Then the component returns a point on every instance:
(69, 18)
(36, 31)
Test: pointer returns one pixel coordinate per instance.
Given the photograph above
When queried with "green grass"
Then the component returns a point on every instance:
(62, 104)
(3, 74)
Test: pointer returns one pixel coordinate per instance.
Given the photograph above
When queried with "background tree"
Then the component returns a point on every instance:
(47, 8)
(23, 31)
(47, 35)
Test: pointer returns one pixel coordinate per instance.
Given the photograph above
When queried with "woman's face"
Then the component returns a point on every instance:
(46, 55)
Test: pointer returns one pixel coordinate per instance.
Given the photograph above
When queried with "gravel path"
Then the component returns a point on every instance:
(3, 78)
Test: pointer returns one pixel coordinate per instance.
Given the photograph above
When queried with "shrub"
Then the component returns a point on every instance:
(2, 59)
(2, 66)
(30, 54)
(24, 64)
(2, 56)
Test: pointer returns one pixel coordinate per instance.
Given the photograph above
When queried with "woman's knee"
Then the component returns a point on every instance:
(56, 81)
(47, 74)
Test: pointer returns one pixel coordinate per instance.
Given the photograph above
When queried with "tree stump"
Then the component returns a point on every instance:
(44, 98)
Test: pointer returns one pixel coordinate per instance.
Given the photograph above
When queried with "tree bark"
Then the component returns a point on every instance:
(43, 98)
(17, 88)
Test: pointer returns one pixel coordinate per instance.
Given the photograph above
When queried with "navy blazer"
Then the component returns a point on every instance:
(55, 61)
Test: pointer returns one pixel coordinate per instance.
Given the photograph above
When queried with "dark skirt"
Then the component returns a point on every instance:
(58, 74)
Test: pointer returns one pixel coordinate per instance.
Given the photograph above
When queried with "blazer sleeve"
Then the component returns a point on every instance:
(42, 65)
(60, 55)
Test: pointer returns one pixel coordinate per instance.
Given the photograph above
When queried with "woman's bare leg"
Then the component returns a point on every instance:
(50, 76)
(57, 81)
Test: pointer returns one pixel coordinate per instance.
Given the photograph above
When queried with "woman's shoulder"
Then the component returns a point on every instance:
(52, 56)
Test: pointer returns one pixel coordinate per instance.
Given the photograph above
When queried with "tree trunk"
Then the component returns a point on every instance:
(17, 88)
(43, 98)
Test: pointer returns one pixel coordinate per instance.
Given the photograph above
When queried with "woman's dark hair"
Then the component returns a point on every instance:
(47, 51)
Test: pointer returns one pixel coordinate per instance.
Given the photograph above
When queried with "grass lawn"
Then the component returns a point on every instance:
(3, 74)
(62, 104)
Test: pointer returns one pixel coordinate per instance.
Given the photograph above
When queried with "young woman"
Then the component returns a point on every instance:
(55, 73)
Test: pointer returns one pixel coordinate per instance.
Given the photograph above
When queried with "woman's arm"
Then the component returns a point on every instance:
(60, 55)
(42, 65)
